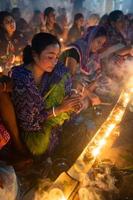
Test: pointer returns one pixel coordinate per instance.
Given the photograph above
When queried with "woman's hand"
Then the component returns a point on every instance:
(95, 100)
(85, 90)
(70, 104)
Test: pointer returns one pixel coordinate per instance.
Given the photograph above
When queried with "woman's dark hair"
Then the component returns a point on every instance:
(104, 20)
(101, 32)
(115, 15)
(48, 10)
(4, 14)
(78, 16)
(39, 43)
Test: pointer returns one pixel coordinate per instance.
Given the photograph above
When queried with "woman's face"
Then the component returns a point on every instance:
(52, 17)
(48, 58)
(98, 43)
(120, 23)
(9, 24)
(80, 22)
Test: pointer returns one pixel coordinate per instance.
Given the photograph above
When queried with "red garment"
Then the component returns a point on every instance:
(4, 135)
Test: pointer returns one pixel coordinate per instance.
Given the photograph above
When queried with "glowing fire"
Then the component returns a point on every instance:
(56, 194)
(93, 149)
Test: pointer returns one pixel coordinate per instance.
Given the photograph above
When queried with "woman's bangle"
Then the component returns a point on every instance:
(4, 87)
(74, 90)
(54, 112)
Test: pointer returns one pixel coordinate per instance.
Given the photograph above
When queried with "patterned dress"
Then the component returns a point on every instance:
(4, 135)
(32, 103)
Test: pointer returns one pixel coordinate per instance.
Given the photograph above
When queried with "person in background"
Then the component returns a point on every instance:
(82, 58)
(104, 21)
(36, 22)
(62, 20)
(92, 20)
(118, 49)
(117, 27)
(50, 25)
(21, 24)
(12, 42)
(44, 103)
(62, 17)
(77, 29)
(117, 31)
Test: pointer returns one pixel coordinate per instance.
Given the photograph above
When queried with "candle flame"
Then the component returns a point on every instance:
(87, 158)
(56, 194)
(109, 130)
(102, 142)
(96, 152)
(1, 70)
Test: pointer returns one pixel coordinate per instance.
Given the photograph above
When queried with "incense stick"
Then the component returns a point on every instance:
(105, 104)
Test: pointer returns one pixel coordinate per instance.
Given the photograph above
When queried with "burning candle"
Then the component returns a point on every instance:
(96, 152)
(56, 194)
(1, 71)
(109, 130)
(102, 142)
(126, 99)
(87, 158)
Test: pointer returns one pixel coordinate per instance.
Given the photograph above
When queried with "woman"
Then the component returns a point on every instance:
(93, 20)
(40, 94)
(84, 53)
(77, 29)
(8, 179)
(12, 42)
(50, 25)
(22, 25)
(117, 28)
(8, 117)
(119, 48)
(35, 22)
(85, 50)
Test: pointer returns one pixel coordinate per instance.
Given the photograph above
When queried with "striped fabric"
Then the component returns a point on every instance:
(29, 100)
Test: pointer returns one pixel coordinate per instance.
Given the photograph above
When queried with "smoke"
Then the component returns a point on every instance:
(99, 183)
(121, 72)
(115, 76)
